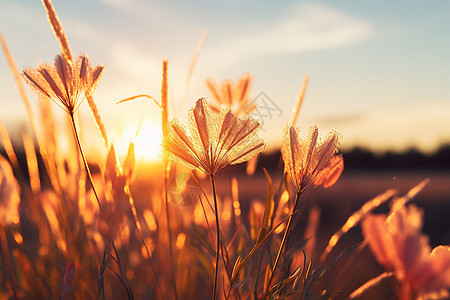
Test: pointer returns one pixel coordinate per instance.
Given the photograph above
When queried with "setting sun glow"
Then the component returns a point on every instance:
(147, 141)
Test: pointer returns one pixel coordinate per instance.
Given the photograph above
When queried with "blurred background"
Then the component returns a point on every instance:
(379, 74)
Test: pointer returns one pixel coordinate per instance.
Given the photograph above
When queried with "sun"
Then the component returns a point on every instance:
(147, 142)
(147, 139)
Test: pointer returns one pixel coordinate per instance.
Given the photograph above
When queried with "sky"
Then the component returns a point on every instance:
(379, 71)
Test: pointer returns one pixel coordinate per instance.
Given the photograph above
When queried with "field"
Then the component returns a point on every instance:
(213, 217)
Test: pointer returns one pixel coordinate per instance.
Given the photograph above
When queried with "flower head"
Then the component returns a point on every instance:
(231, 94)
(216, 139)
(65, 82)
(397, 243)
(311, 161)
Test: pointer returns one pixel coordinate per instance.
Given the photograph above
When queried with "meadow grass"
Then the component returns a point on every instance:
(180, 228)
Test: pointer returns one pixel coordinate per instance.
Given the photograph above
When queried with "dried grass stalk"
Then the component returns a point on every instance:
(16, 75)
(58, 29)
(356, 217)
(9, 149)
(370, 284)
(97, 118)
(299, 101)
(311, 231)
(32, 163)
(198, 48)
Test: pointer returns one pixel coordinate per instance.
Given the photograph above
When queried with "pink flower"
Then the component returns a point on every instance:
(311, 161)
(216, 140)
(233, 95)
(398, 244)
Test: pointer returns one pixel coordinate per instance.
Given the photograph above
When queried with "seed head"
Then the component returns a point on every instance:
(65, 82)
(306, 159)
(216, 139)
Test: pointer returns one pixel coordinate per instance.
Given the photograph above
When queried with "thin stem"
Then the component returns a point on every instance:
(7, 259)
(283, 241)
(216, 211)
(255, 289)
(164, 121)
(123, 275)
(101, 274)
(104, 263)
(169, 231)
(84, 158)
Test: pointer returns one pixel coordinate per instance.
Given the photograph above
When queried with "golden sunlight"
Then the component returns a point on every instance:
(147, 141)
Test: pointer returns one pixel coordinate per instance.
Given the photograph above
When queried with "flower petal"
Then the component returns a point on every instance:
(329, 175)
(200, 114)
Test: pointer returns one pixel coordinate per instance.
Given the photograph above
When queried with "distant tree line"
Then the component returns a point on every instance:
(356, 159)
(411, 159)
(359, 159)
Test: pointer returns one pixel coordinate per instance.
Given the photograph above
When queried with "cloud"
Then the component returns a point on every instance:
(150, 11)
(128, 6)
(132, 61)
(342, 119)
(305, 28)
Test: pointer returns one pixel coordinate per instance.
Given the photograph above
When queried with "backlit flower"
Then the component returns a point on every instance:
(216, 139)
(397, 243)
(304, 160)
(231, 94)
(65, 82)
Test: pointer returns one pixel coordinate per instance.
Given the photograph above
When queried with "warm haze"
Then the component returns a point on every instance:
(211, 218)
(378, 72)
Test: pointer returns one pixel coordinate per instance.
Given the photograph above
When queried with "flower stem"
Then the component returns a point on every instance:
(213, 184)
(101, 274)
(283, 241)
(77, 138)
(164, 121)
(169, 231)
(123, 275)
(104, 262)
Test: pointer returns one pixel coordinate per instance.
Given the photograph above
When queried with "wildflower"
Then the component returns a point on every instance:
(65, 82)
(217, 139)
(231, 94)
(9, 194)
(305, 160)
(397, 243)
